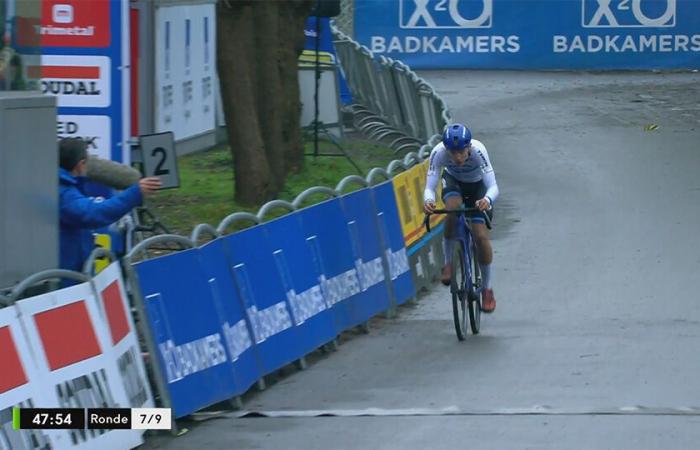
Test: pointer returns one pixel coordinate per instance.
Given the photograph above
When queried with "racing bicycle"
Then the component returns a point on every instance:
(465, 284)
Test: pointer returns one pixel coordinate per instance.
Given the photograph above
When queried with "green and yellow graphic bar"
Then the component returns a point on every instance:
(15, 418)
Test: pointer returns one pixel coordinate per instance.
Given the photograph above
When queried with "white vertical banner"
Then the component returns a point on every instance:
(126, 81)
(185, 69)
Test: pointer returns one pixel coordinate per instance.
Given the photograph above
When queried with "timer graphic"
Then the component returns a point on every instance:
(92, 418)
(48, 418)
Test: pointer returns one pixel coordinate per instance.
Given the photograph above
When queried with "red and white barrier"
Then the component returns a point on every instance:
(72, 349)
(123, 339)
(18, 385)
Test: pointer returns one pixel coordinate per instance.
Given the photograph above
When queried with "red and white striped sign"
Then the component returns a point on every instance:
(112, 301)
(77, 81)
(13, 374)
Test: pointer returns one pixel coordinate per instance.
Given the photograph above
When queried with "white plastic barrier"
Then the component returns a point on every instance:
(71, 348)
(19, 385)
(123, 336)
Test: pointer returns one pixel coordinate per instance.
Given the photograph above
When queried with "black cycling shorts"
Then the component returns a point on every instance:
(470, 192)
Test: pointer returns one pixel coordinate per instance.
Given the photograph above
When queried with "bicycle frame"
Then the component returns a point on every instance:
(464, 236)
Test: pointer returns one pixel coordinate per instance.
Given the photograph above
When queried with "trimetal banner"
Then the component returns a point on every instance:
(533, 34)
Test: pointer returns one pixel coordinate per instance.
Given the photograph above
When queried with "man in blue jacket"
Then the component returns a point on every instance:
(80, 214)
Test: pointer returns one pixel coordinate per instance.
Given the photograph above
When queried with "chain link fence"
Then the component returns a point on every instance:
(345, 21)
(391, 103)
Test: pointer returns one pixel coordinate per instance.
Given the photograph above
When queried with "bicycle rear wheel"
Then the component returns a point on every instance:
(458, 283)
(474, 295)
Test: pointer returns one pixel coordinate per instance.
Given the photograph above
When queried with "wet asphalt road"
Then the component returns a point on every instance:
(596, 273)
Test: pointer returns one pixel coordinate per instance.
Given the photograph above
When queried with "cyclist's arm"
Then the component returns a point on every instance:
(430, 186)
(434, 171)
(489, 176)
(491, 186)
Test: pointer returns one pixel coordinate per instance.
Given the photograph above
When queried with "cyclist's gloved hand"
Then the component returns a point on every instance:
(484, 204)
(429, 207)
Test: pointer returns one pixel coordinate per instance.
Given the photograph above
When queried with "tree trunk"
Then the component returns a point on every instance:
(270, 89)
(235, 54)
(294, 14)
(258, 44)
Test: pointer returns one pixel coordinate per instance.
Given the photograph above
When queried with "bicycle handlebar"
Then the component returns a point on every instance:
(426, 222)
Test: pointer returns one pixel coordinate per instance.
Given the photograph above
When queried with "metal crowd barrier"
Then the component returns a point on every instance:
(393, 104)
(207, 296)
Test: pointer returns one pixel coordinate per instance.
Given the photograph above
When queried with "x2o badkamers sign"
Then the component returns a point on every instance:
(520, 34)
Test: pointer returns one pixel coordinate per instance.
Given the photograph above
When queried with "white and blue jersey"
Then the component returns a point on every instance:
(477, 168)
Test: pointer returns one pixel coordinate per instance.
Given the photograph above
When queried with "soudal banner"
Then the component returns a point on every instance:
(533, 34)
(77, 81)
(83, 83)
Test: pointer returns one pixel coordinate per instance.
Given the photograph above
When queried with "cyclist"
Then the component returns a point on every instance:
(468, 177)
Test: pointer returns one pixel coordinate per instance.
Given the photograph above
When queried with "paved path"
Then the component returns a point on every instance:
(597, 277)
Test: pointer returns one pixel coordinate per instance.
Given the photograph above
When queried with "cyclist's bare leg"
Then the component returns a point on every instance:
(448, 242)
(452, 202)
(483, 246)
(483, 243)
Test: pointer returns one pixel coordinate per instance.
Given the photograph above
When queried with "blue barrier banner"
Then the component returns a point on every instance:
(390, 226)
(532, 34)
(262, 293)
(325, 47)
(325, 38)
(300, 278)
(368, 252)
(327, 234)
(187, 330)
(235, 326)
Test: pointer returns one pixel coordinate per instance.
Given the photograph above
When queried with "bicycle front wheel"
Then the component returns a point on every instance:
(457, 288)
(474, 295)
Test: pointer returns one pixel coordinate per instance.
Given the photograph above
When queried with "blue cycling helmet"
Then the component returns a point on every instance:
(457, 137)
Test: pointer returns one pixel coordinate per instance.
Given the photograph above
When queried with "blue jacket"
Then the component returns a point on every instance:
(79, 215)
